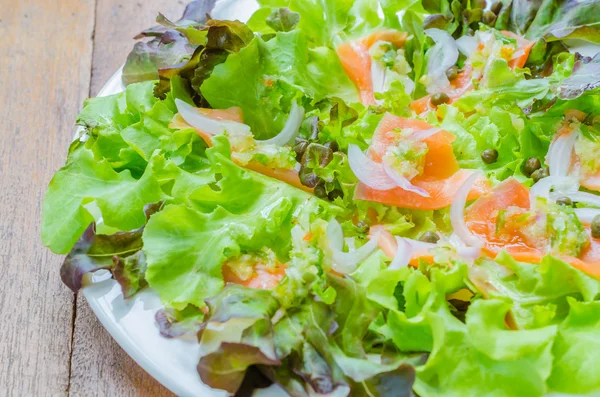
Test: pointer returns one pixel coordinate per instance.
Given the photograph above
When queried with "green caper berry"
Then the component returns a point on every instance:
(477, 3)
(489, 156)
(435, 21)
(429, 237)
(308, 179)
(596, 227)
(439, 98)
(489, 17)
(333, 145)
(300, 148)
(335, 193)
(497, 7)
(566, 201)
(362, 226)
(452, 73)
(531, 165)
(320, 190)
(540, 174)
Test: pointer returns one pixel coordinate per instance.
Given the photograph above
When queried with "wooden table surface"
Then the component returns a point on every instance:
(54, 54)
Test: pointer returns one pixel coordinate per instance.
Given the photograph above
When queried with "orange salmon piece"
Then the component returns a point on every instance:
(441, 176)
(356, 60)
(261, 279)
(482, 216)
(442, 192)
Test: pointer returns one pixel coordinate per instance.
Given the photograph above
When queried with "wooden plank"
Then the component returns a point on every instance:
(117, 22)
(45, 60)
(99, 366)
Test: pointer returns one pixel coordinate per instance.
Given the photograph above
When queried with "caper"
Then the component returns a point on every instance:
(531, 165)
(333, 145)
(435, 21)
(439, 98)
(497, 7)
(300, 149)
(489, 17)
(320, 190)
(308, 178)
(489, 156)
(596, 227)
(335, 193)
(452, 73)
(429, 237)
(564, 200)
(540, 174)
(362, 226)
(477, 3)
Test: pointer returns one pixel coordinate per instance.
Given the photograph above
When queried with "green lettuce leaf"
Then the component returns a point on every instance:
(576, 350)
(484, 355)
(264, 77)
(84, 181)
(243, 212)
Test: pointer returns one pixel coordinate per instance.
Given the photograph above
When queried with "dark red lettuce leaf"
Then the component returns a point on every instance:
(222, 39)
(585, 77)
(119, 253)
(171, 43)
(233, 308)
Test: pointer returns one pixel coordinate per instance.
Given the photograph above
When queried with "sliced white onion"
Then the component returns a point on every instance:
(579, 197)
(408, 83)
(467, 45)
(517, 54)
(422, 135)
(403, 254)
(586, 215)
(335, 235)
(457, 213)
(418, 246)
(206, 124)
(442, 56)
(367, 171)
(543, 186)
(378, 76)
(470, 253)
(560, 154)
(402, 182)
(290, 129)
(346, 262)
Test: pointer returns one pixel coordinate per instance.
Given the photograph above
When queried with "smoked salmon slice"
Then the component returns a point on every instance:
(482, 217)
(356, 60)
(441, 177)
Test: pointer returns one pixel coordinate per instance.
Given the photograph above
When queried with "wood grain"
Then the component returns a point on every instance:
(117, 22)
(45, 61)
(99, 366)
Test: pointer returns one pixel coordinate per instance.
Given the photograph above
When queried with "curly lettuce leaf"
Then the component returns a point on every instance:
(120, 197)
(170, 43)
(120, 253)
(243, 212)
(484, 355)
(576, 350)
(264, 77)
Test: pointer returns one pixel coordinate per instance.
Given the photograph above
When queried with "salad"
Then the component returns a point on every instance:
(365, 198)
